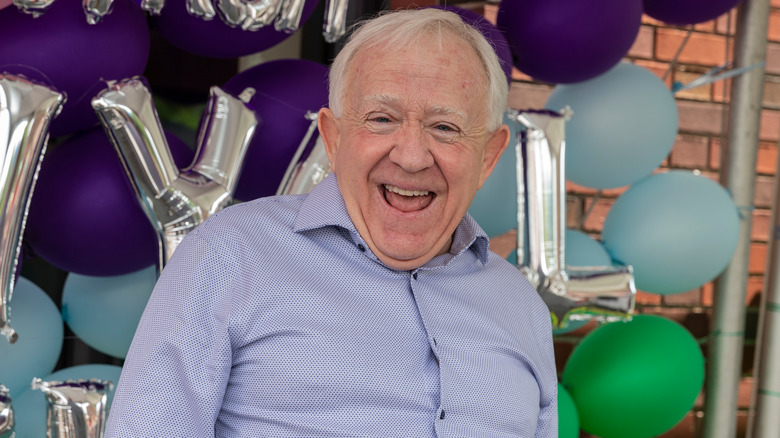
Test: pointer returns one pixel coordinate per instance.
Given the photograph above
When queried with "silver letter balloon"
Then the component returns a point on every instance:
(176, 201)
(605, 293)
(76, 408)
(26, 110)
(6, 411)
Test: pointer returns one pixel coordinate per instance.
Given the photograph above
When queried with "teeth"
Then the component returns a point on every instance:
(403, 192)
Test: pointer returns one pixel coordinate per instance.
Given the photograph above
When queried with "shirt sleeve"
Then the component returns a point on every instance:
(547, 424)
(176, 370)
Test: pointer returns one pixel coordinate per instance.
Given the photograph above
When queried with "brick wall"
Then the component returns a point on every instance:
(702, 122)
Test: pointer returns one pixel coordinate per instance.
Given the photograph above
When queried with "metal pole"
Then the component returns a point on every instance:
(737, 175)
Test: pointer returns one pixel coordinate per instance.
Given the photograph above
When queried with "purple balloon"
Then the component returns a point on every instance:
(684, 12)
(62, 50)
(285, 90)
(494, 36)
(84, 216)
(566, 41)
(214, 38)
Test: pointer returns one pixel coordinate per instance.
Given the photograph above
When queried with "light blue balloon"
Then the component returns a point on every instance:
(624, 126)
(104, 311)
(30, 407)
(677, 229)
(37, 320)
(495, 205)
(582, 250)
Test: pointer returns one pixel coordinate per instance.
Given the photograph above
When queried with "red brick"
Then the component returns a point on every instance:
(490, 12)
(643, 44)
(773, 58)
(766, 159)
(757, 262)
(690, 151)
(763, 191)
(755, 285)
(771, 98)
(721, 90)
(517, 75)
(573, 211)
(726, 23)
(646, 298)
(699, 117)
(572, 187)
(714, 153)
(700, 49)
(595, 219)
(744, 392)
(774, 26)
(770, 125)
(691, 298)
(524, 95)
(762, 224)
(702, 92)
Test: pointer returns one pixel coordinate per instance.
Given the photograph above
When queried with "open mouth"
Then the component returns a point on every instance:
(407, 200)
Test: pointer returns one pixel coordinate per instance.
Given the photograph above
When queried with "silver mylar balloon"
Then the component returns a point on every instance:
(34, 7)
(232, 12)
(335, 25)
(176, 201)
(97, 9)
(154, 7)
(289, 19)
(76, 408)
(600, 292)
(6, 411)
(301, 177)
(26, 110)
(261, 13)
(201, 8)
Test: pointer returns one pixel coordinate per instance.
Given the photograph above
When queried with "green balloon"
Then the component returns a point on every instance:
(634, 379)
(568, 419)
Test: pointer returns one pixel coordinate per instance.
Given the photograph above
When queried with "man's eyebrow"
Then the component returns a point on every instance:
(392, 101)
(382, 99)
(448, 111)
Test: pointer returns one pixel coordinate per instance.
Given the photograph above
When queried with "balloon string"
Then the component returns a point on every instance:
(713, 76)
(592, 205)
(673, 62)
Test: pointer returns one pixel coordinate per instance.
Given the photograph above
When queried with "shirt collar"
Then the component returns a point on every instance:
(325, 207)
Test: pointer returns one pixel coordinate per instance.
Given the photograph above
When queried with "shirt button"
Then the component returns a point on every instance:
(414, 276)
(441, 416)
(361, 247)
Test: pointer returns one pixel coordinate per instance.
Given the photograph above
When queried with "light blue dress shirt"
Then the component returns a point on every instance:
(274, 319)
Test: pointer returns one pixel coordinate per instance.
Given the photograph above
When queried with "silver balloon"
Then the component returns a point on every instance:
(34, 7)
(97, 9)
(605, 293)
(335, 25)
(76, 408)
(176, 201)
(261, 13)
(201, 8)
(26, 110)
(232, 12)
(154, 7)
(301, 177)
(289, 19)
(6, 411)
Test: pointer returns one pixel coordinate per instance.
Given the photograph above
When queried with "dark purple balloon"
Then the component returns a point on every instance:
(62, 50)
(494, 36)
(214, 38)
(684, 12)
(84, 216)
(566, 41)
(286, 90)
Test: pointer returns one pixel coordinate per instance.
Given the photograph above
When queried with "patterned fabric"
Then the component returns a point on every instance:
(273, 318)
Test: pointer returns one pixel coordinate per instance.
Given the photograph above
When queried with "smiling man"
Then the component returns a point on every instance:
(371, 307)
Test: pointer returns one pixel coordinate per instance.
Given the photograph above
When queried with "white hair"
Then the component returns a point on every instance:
(403, 28)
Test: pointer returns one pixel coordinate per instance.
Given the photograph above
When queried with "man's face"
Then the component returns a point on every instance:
(411, 147)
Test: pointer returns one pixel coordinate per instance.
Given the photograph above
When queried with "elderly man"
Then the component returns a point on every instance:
(372, 306)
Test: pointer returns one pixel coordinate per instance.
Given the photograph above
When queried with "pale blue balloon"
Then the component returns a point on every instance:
(624, 125)
(104, 311)
(495, 205)
(37, 320)
(582, 250)
(678, 230)
(30, 407)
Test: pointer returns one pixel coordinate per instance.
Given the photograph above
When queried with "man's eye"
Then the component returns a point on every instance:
(381, 119)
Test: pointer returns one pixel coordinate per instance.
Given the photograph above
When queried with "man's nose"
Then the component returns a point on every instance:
(411, 149)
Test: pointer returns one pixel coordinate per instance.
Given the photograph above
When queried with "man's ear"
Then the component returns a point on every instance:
(495, 146)
(328, 125)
